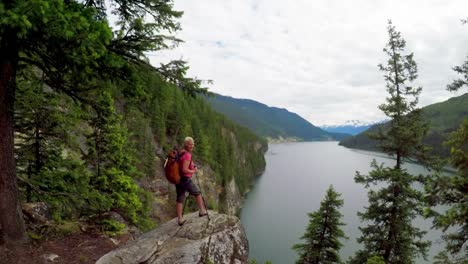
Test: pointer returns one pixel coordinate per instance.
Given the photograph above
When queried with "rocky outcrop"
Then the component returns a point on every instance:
(220, 239)
(233, 198)
(36, 213)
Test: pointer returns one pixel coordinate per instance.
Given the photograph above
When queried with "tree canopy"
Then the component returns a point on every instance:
(390, 233)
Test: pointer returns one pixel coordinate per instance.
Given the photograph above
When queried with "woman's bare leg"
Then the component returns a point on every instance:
(200, 203)
(179, 208)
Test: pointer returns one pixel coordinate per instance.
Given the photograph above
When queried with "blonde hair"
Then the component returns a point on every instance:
(188, 140)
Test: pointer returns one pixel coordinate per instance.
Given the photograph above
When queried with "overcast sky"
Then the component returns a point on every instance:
(318, 58)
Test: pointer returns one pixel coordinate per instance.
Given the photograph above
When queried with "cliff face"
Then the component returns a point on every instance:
(220, 188)
(163, 205)
(219, 239)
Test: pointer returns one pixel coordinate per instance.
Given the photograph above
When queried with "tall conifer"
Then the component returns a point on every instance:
(113, 164)
(48, 165)
(452, 190)
(72, 45)
(323, 234)
(392, 208)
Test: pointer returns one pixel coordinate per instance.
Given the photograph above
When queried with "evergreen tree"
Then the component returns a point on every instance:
(113, 165)
(323, 232)
(392, 208)
(47, 166)
(66, 43)
(444, 258)
(452, 190)
(72, 45)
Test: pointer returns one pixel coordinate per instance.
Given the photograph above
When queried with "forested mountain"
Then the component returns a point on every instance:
(269, 122)
(84, 117)
(78, 157)
(444, 118)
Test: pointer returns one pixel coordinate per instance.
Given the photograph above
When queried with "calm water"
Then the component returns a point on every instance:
(296, 178)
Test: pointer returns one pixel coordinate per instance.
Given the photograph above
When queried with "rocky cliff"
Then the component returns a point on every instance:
(219, 239)
(163, 204)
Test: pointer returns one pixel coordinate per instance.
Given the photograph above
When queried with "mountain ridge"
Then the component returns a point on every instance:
(270, 122)
(443, 117)
(352, 127)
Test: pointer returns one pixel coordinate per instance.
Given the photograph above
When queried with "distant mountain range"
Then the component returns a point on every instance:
(352, 127)
(444, 117)
(275, 124)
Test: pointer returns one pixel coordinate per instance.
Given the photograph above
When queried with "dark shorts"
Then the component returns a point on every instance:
(186, 185)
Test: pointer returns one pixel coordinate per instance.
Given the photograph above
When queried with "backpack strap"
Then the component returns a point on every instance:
(180, 154)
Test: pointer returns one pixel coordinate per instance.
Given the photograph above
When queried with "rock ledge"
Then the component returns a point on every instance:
(220, 240)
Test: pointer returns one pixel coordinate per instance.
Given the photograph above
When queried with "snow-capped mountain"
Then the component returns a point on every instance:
(352, 127)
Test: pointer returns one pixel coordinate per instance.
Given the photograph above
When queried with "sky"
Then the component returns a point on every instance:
(318, 58)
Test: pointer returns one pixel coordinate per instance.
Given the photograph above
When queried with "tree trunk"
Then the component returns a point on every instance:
(11, 217)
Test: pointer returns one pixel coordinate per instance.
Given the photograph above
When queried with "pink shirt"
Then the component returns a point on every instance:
(187, 156)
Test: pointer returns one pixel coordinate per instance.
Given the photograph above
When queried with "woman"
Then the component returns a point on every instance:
(186, 184)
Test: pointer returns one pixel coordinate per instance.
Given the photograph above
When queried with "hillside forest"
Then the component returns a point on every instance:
(84, 116)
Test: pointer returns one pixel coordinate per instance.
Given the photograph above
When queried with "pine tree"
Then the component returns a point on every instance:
(65, 42)
(444, 258)
(452, 190)
(47, 166)
(323, 234)
(110, 158)
(392, 208)
(72, 45)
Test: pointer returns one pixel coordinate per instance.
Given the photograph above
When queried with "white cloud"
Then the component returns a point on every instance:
(318, 58)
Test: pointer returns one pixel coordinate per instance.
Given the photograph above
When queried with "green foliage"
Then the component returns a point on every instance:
(323, 233)
(66, 228)
(406, 127)
(444, 258)
(47, 169)
(34, 236)
(451, 191)
(390, 232)
(461, 82)
(111, 162)
(443, 117)
(375, 260)
(233, 152)
(91, 112)
(112, 227)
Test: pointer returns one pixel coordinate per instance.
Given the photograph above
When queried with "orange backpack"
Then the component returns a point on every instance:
(172, 167)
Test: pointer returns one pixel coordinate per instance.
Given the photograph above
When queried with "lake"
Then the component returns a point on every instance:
(295, 180)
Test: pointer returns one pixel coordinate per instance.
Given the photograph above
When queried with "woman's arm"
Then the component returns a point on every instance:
(185, 167)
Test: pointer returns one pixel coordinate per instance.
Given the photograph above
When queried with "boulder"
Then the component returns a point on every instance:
(219, 239)
(50, 257)
(36, 213)
(115, 217)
